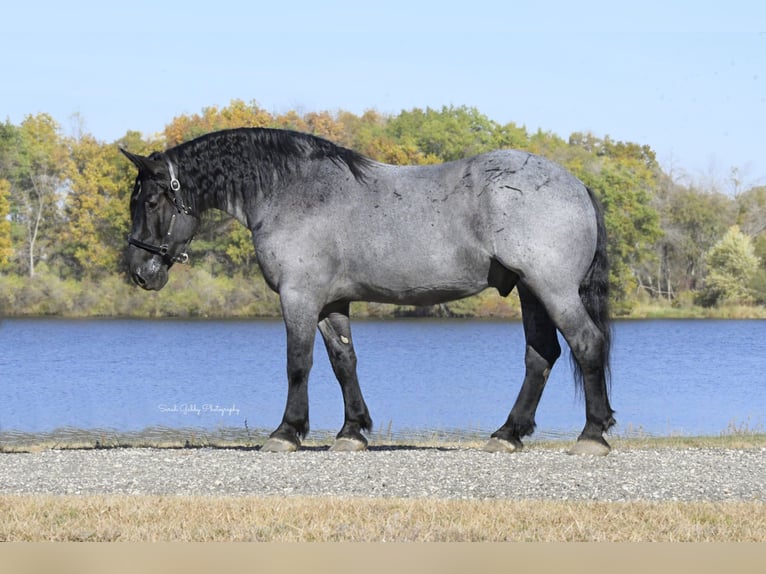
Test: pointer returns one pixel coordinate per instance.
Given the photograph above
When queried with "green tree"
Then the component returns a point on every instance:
(732, 264)
(366, 134)
(511, 136)
(693, 222)
(240, 249)
(632, 227)
(449, 134)
(6, 246)
(624, 177)
(752, 211)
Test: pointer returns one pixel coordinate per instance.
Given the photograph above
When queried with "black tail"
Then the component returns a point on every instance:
(594, 293)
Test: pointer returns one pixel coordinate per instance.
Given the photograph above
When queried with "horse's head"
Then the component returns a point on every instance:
(161, 224)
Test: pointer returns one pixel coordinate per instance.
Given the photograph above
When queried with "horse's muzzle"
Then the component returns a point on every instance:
(151, 275)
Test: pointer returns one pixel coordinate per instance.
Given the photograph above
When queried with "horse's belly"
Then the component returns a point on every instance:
(419, 295)
(420, 283)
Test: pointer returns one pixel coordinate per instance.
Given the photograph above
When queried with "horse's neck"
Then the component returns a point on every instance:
(232, 203)
(227, 196)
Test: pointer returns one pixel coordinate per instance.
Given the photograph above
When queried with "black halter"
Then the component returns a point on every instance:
(162, 250)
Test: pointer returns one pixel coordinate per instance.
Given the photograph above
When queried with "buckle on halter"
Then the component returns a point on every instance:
(175, 185)
(182, 258)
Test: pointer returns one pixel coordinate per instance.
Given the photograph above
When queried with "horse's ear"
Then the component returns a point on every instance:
(138, 160)
(146, 165)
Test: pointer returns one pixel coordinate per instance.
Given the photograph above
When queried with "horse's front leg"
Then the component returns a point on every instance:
(336, 332)
(300, 316)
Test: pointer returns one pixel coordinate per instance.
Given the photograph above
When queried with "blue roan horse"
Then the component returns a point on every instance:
(331, 226)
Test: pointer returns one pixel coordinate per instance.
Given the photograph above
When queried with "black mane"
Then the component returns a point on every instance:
(258, 155)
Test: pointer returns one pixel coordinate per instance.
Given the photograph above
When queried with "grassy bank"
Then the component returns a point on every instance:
(211, 519)
(195, 293)
(665, 311)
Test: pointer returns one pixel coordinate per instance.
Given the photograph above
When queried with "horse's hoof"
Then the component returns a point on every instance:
(590, 447)
(348, 445)
(501, 445)
(278, 445)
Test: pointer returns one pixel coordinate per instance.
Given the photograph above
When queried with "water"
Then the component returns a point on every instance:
(669, 377)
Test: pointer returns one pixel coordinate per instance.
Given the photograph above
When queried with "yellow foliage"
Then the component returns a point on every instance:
(237, 114)
(97, 205)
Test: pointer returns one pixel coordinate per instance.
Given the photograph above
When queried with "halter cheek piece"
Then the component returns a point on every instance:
(162, 250)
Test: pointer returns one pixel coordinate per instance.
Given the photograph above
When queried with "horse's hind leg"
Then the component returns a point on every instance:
(336, 332)
(542, 350)
(587, 344)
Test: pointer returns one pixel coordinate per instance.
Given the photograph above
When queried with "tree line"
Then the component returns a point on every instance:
(64, 216)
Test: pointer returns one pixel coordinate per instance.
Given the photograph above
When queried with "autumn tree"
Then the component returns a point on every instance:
(65, 201)
(96, 207)
(237, 114)
(34, 164)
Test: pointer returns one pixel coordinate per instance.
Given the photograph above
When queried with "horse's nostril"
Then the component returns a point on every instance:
(138, 280)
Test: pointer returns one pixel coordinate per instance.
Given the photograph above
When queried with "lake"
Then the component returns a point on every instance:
(669, 376)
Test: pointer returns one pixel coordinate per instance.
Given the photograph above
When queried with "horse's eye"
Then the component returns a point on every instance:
(152, 201)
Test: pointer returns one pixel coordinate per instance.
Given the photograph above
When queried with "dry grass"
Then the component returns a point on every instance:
(151, 518)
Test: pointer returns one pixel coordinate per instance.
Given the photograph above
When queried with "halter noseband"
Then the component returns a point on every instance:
(162, 250)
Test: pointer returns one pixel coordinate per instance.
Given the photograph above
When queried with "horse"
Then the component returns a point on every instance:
(331, 226)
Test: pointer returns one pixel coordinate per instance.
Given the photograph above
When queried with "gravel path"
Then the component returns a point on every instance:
(653, 475)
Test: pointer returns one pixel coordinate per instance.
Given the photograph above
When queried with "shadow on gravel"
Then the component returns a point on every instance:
(224, 438)
(387, 448)
(29, 448)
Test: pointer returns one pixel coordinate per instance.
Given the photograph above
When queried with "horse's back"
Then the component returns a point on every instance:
(422, 234)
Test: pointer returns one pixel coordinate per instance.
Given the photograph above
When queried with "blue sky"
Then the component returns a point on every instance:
(688, 79)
